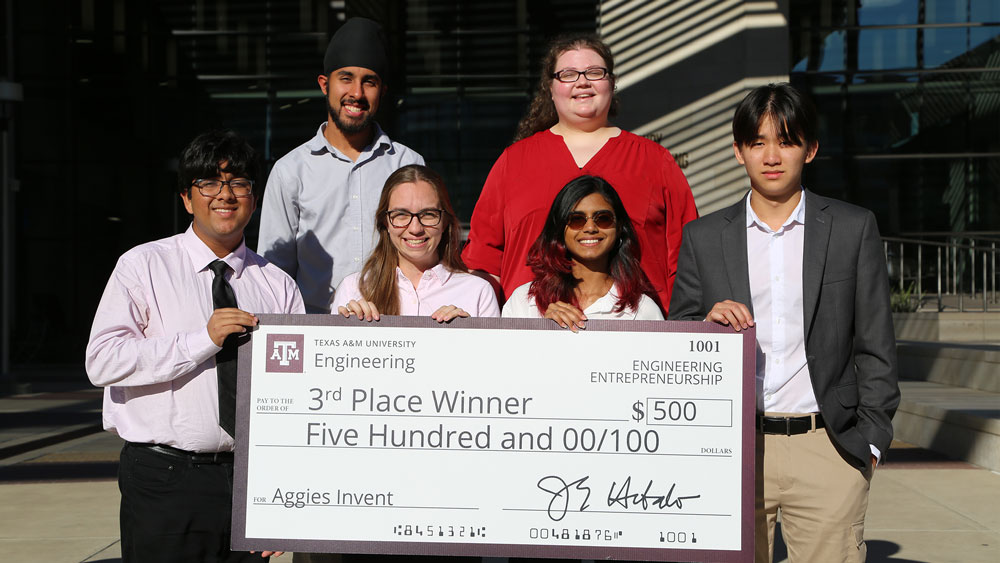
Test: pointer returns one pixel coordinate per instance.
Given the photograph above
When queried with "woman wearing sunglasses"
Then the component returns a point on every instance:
(415, 269)
(585, 262)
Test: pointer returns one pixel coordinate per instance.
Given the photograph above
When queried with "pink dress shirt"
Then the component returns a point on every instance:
(438, 287)
(149, 346)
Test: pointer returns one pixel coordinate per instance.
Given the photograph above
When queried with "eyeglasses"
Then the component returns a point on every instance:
(602, 220)
(570, 75)
(428, 217)
(241, 187)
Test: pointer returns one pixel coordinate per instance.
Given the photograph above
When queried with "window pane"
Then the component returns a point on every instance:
(827, 94)
(881, 49)
(922, 184)
(985, 10)
(943, 44)
(948, 11)
(827, 175)
(984, 123)
(980, 35)
(884, 112)
(829, 55)
(888, 12)
(877, 189)
(944, 119)
(907, 145)
(819, 13)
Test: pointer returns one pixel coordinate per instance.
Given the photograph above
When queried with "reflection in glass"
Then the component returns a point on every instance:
(984, 10)
(947, 11)
(827, 175)
(945, 106)
(827, 94)
(883, 49)
(877, 190)
(830, 54)
(884, 115)
(943, 44)
(918, 147)
(980, 35)
(984, 124)
(821, 13)
(888, 12)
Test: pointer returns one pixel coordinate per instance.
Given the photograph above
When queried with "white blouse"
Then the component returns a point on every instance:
(521, 305)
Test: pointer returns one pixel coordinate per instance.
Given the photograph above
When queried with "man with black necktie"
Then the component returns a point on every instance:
(163, 346)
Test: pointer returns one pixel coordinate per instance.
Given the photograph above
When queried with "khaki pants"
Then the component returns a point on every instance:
(822, 500)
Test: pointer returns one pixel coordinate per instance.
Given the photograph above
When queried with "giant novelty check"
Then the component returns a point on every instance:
(496, 437)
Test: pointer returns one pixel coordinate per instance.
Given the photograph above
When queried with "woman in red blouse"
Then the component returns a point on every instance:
(565, 134)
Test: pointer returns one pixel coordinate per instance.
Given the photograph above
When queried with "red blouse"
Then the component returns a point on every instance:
(524, 181)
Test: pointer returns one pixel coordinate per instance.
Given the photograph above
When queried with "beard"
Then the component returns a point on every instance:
(351, 127)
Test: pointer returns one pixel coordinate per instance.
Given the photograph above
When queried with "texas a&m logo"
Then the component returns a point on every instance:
(284, 353)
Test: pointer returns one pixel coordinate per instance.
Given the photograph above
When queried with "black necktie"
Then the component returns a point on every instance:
(225, 360)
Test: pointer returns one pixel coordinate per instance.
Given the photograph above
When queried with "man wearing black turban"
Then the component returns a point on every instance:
(318, 212)
(353, 69)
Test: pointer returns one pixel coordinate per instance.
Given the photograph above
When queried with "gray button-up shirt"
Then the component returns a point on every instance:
(318, 213)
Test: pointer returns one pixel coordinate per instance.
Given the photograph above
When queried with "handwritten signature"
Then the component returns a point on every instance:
(559, 489)
(618, 495)
(623, 496)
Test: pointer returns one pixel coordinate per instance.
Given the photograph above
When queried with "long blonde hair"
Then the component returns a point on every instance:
(377, 282)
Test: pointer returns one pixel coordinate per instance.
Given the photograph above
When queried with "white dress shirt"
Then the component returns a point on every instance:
(775, 260)
(149, 346)
(317, 219)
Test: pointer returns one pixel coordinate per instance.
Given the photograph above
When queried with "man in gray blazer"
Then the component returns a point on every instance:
(809, 273)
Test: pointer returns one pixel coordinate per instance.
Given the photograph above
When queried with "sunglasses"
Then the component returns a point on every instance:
(602, 220)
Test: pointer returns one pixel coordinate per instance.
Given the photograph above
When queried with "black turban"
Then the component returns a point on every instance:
(359, 42)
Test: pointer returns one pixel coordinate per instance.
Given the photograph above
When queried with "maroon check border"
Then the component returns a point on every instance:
(745, 555)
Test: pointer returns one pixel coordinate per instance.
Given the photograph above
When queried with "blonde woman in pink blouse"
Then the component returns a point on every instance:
(416, 268)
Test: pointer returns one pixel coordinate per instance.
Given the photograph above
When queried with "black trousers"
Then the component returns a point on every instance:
(175, 510)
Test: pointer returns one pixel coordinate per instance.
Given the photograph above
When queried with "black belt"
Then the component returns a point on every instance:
(789, 426)
(184, 455)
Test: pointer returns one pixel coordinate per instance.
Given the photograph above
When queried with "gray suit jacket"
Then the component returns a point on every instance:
(850, 343)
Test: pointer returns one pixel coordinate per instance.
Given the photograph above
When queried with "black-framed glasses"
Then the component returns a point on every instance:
(570, 75)
(400, 218)
(241, 187)
(602, 220)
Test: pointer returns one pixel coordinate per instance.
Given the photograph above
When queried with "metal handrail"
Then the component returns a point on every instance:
(965, 266)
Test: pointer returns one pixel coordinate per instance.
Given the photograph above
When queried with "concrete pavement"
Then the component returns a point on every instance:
(60, 496)
(50, 514)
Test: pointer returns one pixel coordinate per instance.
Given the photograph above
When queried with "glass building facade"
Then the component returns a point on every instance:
(909, 97)
(114, 89)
